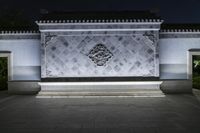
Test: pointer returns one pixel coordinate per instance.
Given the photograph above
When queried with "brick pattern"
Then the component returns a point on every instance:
(67, 55)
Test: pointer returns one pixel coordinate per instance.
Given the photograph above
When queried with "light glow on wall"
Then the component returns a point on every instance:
(102, 83)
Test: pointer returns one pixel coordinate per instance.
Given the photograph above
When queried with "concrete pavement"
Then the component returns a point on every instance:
(170, 114)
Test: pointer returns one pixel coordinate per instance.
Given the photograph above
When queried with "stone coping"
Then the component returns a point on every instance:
(24, 81)
(180, 34)
(22, 32)
(99, 79)
(179, 30)
(174, 79)
(10, 35)
(102, 21)
(95, 80)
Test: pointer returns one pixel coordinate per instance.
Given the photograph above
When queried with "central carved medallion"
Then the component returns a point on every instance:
(99, 54)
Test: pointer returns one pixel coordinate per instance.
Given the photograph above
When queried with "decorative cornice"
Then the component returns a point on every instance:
(66, 27)
(180, 33)
(179, 30)
(19, 32)
(6, 35)
(102, 21)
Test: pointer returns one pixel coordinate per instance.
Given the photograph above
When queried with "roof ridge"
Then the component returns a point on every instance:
(99, 21)
(100, 16)
(19, 32)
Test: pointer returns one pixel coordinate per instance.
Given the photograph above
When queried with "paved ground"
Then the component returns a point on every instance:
(171, 114)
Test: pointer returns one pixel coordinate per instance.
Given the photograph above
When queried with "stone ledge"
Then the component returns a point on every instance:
(23, 87)
(176, 86)
(68, 89)
(100, 79)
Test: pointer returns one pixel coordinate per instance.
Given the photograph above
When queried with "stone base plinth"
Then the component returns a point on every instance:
(98, 89)
(23, 87)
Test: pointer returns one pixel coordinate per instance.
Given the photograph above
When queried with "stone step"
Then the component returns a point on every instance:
(76, 86)
(100, 89)
(157, 93)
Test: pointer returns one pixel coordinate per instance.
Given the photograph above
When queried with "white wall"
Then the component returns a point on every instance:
(173, 56)
(26, 58)
(172, 51)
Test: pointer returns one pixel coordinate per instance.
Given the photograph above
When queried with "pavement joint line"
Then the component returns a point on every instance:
(160, 96)
(6, 99)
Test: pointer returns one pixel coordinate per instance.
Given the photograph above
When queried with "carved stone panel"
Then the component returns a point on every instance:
(105, 55)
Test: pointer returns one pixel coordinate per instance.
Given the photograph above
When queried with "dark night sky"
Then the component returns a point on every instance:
(172, 11)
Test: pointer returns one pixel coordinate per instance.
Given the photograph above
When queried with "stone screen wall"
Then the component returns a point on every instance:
(100, 54)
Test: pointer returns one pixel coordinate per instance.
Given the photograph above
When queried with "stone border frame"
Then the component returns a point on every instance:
(48, 36)
(52, 29)
(190, 53)
(18, 35)
(180, 34)
(8, 54)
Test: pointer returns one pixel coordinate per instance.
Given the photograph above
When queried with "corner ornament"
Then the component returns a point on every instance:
(150, 36)
(49, 38)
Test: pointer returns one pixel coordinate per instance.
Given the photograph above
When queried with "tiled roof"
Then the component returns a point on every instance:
(19, 32)
(180, 28)
(12, 26)
(18, 29)
(99, 17)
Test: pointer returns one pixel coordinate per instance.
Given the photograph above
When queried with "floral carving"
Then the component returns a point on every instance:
(99, 54)
(150, 36)
(49, 38)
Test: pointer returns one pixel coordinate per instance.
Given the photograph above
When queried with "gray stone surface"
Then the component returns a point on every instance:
(100, 89)
(176, 86)
(23, 87)
(98, 26)
(179, 35)
(19, 36)
(69, 55)
(171, 114)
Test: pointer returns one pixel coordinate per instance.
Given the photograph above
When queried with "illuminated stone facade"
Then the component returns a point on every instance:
(108, 50)
(124, 52)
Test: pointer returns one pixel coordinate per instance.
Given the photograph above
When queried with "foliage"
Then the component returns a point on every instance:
(3, 73)
(196, 63)
(3, 69)
(196, 82)
(196, 73)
